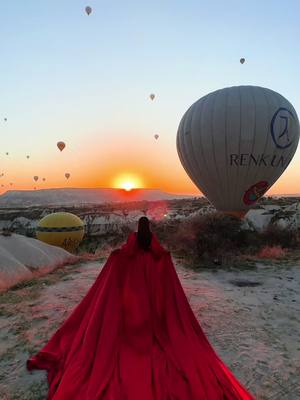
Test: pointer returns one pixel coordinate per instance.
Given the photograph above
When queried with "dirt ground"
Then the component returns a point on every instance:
(251, 317)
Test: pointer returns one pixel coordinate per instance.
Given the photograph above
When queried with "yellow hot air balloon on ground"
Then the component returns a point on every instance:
(61, 229)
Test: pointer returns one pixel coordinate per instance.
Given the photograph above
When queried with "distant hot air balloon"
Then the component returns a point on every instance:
(242, 60)
(235, 143)
(2, 185)
(156, 136)
(36, 178)
(61, 145)
(88, 10)
(152, 96)
(7, 154)
(43, 179)
(27, 157)
(67, 175)
(11, 183)
(5, 119)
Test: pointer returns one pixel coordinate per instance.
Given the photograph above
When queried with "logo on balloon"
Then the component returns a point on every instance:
(280, 128)
(255, 192)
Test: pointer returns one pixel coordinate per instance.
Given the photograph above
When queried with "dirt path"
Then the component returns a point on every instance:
(255, 333)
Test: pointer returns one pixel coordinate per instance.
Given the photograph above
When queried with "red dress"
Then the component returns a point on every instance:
(134, 337)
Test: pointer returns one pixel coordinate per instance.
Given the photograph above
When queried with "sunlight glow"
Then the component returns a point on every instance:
(127, 182)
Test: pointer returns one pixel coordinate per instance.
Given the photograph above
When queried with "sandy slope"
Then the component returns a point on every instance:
(22, 258)
(255, 334)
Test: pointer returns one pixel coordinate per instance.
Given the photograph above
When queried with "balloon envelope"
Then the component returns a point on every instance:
(152, 96)
(156, 136)
(67, 175)
(35, 178)
(242, 60)
(88, 10)
(61, 229)
(61, 145)
(235, 143)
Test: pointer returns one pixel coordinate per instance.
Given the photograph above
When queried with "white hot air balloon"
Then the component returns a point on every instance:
(36, 178)
(152, 96)
(67, 175)
(88, 10)
(156, 136)
(242, 60)
(235, 143)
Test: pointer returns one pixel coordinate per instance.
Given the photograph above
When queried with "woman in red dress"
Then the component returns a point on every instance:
(134, 336)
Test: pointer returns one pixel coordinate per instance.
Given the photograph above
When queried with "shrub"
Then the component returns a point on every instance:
(213, 235)
(272, 252)
(276, 236)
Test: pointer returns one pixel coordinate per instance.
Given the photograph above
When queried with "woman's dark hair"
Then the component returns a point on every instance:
(144, 234)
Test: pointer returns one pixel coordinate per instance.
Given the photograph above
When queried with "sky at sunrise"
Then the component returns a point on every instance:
(86, 80)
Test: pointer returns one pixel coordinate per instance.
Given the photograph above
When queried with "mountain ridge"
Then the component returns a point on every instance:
(79, 196)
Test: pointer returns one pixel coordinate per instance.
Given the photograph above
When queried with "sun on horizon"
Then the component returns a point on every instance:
(127, 182)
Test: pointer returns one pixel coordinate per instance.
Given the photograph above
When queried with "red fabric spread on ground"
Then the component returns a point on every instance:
(134, 337)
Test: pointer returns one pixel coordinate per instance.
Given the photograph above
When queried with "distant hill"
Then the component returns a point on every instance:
(63, 197)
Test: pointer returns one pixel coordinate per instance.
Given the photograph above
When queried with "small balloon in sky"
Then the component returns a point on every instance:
(61, 145)
(7, 153)
(44, 179)
(27, 157)
(67, 175)
(156, 136)
(2, 185)
(5, 119)
(242, 60)
(11, 183)
(88, 10)
(152, 96)
(35, 177)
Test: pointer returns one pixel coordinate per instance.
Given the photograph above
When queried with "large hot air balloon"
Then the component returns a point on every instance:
(67, 175)
(235, 143)
(61, 229)
(36, 178)
(88, 10)
(152, 96)
(242, 60)
(61, 145)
